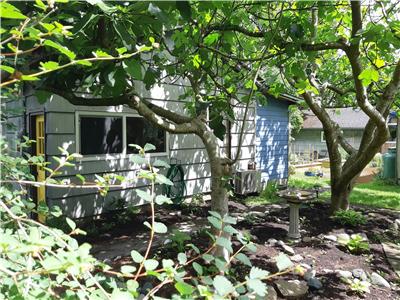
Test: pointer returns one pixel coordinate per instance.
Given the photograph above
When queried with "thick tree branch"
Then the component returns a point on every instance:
(162, 118)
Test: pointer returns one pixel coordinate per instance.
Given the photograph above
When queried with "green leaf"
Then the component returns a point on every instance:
(215, 222)
(229, 229)
(183, 288)
(84, 62)
(121, 50)
(283, 262)
(8, 69)
(70, 223)
(149, 147)
(182, 258)
(215, 214)
(211, 39)
(49, 65)
(144, 195)
(244, 259)
(161, 199)
(368, 76)
(222, 285)
(137, 159)
(167, 263)
(150, 264)
(198, 268)
(133, 68)
(163, 180)
(208, 257)
(29, 78)
(101, 53)
(257, 273)
(161, 163)
(128, 269)
(257, 286)
(184, 9)
(160, 227)
(120, 295)
(379, 62)
(229, 219)
(104, 7)
(196, 61)
(62, 49)
(136, 256)
(8, 11)
(224, 242)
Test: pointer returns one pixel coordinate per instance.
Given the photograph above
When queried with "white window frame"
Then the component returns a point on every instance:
(323, 140)
(124, 154)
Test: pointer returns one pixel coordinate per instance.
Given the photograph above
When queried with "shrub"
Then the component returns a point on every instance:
(40, 262)
(349, 218)
(270, 190)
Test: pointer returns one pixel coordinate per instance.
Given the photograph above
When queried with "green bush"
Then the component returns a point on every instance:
(349, 218)
(270, 190)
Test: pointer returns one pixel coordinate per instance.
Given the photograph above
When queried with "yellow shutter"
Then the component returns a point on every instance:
(41, 173)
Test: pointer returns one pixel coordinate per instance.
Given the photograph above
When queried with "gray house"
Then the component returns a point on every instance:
(310, 141)
(102, 136)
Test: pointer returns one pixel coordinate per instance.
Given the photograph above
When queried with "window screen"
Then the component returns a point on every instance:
(100, 135)
(140, 131)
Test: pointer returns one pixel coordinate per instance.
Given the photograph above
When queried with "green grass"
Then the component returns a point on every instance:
(301, 181)
(377, 193)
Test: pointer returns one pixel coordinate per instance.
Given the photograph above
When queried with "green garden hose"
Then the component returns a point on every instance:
(175, 192)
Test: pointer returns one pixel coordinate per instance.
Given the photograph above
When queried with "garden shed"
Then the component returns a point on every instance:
(102, 136)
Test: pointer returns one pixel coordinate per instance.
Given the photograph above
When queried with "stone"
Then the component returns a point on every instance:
(306, 266)
(327, 271)
(378, 280)
(288, 250)
(297, 258)
(307, 239)
(396, 225)
(291, 289)
(330, 237)
(271, 294)
(309, 274)
(272, 242)
(344, 274)
(360, 273)
(314, 283)
(343, 238)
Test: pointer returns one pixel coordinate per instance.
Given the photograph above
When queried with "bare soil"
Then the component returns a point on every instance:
(271, 221)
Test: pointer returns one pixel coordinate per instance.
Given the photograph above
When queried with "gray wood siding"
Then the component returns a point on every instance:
(188, 149)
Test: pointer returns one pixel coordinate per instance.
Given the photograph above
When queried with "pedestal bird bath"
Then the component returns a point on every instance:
(295, 198)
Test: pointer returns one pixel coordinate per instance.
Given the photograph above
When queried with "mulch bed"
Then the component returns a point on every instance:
(271, 221)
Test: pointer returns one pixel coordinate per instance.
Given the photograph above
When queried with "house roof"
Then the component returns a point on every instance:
(346, 118)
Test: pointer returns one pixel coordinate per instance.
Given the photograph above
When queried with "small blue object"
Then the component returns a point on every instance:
(309, 173)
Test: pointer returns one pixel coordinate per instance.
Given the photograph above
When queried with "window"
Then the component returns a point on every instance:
(101, 135)
(111, 134)
(323, 137)
(140, 131)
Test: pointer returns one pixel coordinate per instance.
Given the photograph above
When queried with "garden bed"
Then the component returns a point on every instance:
(268, 226)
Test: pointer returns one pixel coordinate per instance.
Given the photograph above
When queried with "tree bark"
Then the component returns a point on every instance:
(340, 195)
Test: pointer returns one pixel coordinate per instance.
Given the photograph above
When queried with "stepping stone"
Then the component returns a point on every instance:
(291, 289)
(379, 280)
(392, 252)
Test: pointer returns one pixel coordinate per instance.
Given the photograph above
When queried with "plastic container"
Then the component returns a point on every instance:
(389, 164)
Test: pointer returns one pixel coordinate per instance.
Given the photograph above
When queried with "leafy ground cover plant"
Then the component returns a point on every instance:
(356, 244)
(350, 218)
(41, 262)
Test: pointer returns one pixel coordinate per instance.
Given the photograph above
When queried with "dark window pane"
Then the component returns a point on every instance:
(140, 131)
(101, 135)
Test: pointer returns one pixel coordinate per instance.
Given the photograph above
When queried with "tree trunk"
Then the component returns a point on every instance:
(340, 196)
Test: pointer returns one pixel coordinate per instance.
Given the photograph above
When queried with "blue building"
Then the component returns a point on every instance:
(272, 138)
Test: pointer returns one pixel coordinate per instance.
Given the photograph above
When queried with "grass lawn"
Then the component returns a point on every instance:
(377, 193)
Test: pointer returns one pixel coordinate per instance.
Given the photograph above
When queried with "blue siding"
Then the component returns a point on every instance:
(272, 139)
